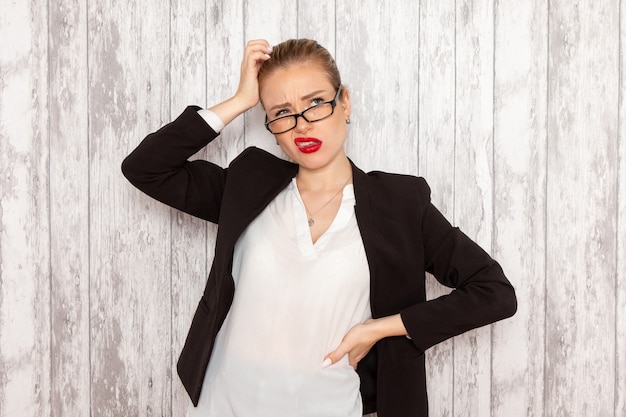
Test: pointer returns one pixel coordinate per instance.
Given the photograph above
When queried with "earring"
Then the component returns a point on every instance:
(348, 120)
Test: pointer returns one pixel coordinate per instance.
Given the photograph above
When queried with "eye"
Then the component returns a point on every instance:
(317, 101)
(282, 112)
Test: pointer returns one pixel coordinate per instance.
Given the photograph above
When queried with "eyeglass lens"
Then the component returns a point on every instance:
(312, 114)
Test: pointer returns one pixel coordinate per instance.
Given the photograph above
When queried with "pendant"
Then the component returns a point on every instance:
(311, 221)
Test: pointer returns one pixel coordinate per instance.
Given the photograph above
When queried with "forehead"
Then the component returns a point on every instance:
(288, 84)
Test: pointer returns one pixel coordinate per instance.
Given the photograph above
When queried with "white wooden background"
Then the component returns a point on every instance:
(513, 111)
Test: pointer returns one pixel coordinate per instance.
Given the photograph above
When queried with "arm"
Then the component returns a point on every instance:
(482, 293)
(159, 166)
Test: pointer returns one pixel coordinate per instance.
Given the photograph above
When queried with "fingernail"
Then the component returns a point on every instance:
(270, 48)
(327, 362)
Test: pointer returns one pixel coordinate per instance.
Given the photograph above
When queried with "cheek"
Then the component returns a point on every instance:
(341, 128)
(335, 131)
(283, 139)
(289, 149)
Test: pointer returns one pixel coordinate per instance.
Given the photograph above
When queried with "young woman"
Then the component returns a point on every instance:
(315, 305)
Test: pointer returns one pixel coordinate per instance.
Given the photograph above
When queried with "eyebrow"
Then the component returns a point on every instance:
(310, 95)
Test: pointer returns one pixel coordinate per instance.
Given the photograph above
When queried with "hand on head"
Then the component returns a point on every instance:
(256, 52)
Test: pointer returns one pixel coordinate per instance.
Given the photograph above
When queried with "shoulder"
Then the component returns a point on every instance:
(386, 185)
(254, 157)
(254, 165)
(252, 154)
(390, 179)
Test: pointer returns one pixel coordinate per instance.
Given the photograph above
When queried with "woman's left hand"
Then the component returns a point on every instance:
(361, 338)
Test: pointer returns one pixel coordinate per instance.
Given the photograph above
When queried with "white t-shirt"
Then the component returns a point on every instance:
(294, 302)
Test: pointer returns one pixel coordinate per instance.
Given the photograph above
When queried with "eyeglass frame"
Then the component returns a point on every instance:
(332, 102)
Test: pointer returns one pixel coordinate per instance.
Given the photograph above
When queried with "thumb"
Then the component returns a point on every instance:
(334, 357)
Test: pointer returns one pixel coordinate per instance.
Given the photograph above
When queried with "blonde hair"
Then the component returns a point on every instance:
(301, 51)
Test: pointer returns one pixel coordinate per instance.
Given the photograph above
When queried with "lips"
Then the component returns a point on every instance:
(308, 145)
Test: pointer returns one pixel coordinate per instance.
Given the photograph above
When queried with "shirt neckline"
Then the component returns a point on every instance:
(303, 230)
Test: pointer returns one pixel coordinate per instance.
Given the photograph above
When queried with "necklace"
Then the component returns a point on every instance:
(310, 219)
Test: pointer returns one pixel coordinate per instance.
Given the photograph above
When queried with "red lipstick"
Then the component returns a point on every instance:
(308, 145)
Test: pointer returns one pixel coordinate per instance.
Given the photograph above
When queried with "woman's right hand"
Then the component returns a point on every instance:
(256, 53)
(247, 95)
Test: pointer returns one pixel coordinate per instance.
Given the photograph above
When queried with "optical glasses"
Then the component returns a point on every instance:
(312, 114)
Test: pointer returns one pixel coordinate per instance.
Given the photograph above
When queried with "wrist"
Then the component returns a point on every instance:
(243, 102)
(231, 108)
(388, 326)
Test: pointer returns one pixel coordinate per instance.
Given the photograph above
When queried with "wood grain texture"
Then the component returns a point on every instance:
(130, 234)
(513, 111)
(384, 82)
(69, 208)
(473, 189)
(317, 20)
(437, 123)
(620, 288)
(24, 212)
(582, 164)
(520, 111)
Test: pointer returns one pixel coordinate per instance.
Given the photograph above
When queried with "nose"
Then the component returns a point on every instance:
(302, 124)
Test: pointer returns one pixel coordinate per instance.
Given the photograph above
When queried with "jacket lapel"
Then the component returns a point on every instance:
(246, 197)
(366, 221)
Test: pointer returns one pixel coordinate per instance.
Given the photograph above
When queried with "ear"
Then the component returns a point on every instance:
(344, 102)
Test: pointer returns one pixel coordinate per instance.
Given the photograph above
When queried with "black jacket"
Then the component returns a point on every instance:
(404, 236)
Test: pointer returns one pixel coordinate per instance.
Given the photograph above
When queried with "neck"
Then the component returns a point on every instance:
(325, 179)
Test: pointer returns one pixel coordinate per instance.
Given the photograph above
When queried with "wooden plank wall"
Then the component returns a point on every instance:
(512, 110)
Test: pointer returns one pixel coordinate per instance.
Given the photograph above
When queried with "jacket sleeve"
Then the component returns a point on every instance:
(159, 167)
(482, 294)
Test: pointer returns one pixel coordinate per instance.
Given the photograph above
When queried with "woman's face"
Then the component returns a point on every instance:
(312, 145)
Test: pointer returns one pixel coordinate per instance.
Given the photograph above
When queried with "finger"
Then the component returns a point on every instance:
(257, 51)
(334, 357)
(257, 42)
(258, 57)
(327, 362)
(254, 58)
(250, 69)
(259, 45)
